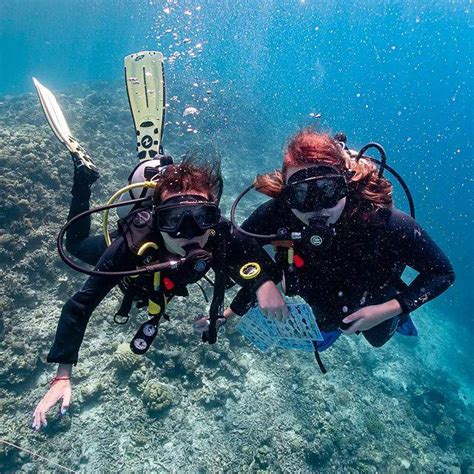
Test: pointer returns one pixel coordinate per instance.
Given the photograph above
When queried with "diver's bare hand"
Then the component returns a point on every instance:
(59, 390)
(370, 316)
(201, 324)
(271, 302)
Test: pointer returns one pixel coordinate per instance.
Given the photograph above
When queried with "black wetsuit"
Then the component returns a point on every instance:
(79, 242)
(121, 255)
(362, 266)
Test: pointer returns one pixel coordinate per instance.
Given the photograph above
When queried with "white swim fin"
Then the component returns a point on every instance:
(145, 81)
(61, 129)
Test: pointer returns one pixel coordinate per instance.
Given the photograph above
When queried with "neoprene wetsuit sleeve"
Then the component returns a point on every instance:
(263, 220)
(255, 223)
(77, 311)
(249, 250)
(242, 250)
(416, 249)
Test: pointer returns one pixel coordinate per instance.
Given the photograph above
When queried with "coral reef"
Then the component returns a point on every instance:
(124, 359)
(186, 406)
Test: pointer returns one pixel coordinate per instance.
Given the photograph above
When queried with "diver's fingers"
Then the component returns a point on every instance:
(354, 327)
(274, 314)
(66, 401)
(269, 313)
(43, 418)
(36, 418)
(51, 398)
(39, 415)
(353, 317)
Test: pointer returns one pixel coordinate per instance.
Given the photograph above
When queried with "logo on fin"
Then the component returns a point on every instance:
(147, 141)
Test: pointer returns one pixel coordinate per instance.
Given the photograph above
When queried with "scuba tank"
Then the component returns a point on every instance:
(146, 170)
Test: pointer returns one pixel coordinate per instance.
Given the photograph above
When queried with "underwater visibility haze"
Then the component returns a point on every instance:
(241, 78)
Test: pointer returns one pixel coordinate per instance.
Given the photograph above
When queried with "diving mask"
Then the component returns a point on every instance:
(186, 216)
(315, 188)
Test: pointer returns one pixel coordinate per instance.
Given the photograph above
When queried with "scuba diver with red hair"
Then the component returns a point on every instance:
(341, 244)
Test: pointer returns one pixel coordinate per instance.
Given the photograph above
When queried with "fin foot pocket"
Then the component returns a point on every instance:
(84, 173)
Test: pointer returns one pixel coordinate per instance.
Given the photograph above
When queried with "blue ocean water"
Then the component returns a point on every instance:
(399, 73)
(394, 72)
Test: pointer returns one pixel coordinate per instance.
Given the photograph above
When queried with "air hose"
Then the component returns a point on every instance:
(145, 269)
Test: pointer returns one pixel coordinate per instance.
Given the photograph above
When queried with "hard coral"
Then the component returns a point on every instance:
(156, 397)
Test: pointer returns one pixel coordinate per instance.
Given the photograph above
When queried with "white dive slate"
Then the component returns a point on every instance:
(296, 332)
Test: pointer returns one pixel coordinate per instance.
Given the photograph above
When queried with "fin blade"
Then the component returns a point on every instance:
(60, 127)
(144, 79)
(53, 112)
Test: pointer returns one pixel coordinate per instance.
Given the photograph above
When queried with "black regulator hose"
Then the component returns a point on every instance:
(384, 166)
(404, 185)
(269, 237)
(380, 149)
(151, 268)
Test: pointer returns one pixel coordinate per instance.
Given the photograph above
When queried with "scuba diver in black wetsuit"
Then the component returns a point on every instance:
(170, 234)
(183, 234)
(341, 245)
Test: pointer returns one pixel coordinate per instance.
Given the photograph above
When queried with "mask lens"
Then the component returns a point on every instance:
(169, 219)
(205, 216)
(316, 193)
(297, 194)
(329, 190)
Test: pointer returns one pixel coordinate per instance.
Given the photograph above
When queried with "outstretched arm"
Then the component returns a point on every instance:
(78, 309)
(72, 325)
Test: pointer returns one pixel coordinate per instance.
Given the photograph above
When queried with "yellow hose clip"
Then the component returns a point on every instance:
(153, 307)
(105, 221)
(250, 270)
(291, 256)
